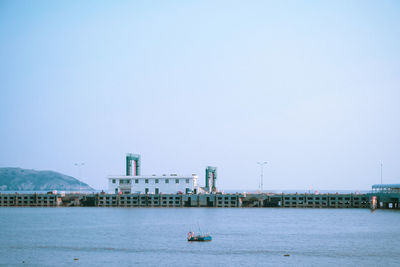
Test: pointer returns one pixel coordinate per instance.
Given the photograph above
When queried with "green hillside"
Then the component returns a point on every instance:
(18, 179)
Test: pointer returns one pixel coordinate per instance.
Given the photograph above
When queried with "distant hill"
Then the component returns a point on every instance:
(17, 179)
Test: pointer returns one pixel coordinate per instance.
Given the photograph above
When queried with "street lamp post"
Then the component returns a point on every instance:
(262, 173)
(79, 165)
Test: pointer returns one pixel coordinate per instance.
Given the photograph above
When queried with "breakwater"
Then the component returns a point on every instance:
(188, 200)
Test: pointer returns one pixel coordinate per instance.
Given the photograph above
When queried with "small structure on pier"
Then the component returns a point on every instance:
(387, 195)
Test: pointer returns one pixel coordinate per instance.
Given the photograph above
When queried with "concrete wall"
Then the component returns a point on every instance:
(325, 201)
(306, 200)
(198, 200)
(29, 200)
(168, 200)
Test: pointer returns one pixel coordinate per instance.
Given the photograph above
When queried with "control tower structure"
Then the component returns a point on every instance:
(211, 177)
(135, 158)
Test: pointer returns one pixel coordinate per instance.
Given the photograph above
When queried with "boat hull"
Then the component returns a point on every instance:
(199, 238)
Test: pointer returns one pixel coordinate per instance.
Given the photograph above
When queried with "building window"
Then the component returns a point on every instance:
(187, 181)
(167, 181)
(113, 181)
(156, 181)
(146, 181)
(136, 181)
(177, 181)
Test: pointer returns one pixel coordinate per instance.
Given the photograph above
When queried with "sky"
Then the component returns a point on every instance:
(311, 87)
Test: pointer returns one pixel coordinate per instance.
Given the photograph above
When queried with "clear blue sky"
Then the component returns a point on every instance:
(312, 87)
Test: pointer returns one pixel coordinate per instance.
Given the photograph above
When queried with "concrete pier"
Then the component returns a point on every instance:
(385, 200)
(307, 200)
(29, 200)
(170, 200)
(191, 200)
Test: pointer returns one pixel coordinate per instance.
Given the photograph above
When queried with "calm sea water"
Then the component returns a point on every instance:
(153, 237)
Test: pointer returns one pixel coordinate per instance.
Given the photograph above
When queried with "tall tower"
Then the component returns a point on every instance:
(135, 158)
(211, 177)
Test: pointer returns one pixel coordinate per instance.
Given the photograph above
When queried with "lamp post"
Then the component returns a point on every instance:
(79, 165)
(262, 173)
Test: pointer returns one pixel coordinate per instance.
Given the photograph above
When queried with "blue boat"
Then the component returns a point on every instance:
(192, 237)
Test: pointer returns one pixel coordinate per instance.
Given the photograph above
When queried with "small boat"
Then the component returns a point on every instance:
(192, 237)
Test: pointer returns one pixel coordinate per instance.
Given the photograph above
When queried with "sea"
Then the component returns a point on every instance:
(84, 236)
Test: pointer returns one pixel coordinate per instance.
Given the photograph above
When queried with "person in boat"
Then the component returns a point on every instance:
(189, 235)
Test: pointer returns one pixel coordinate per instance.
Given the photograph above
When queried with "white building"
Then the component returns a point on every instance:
(152, 184)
